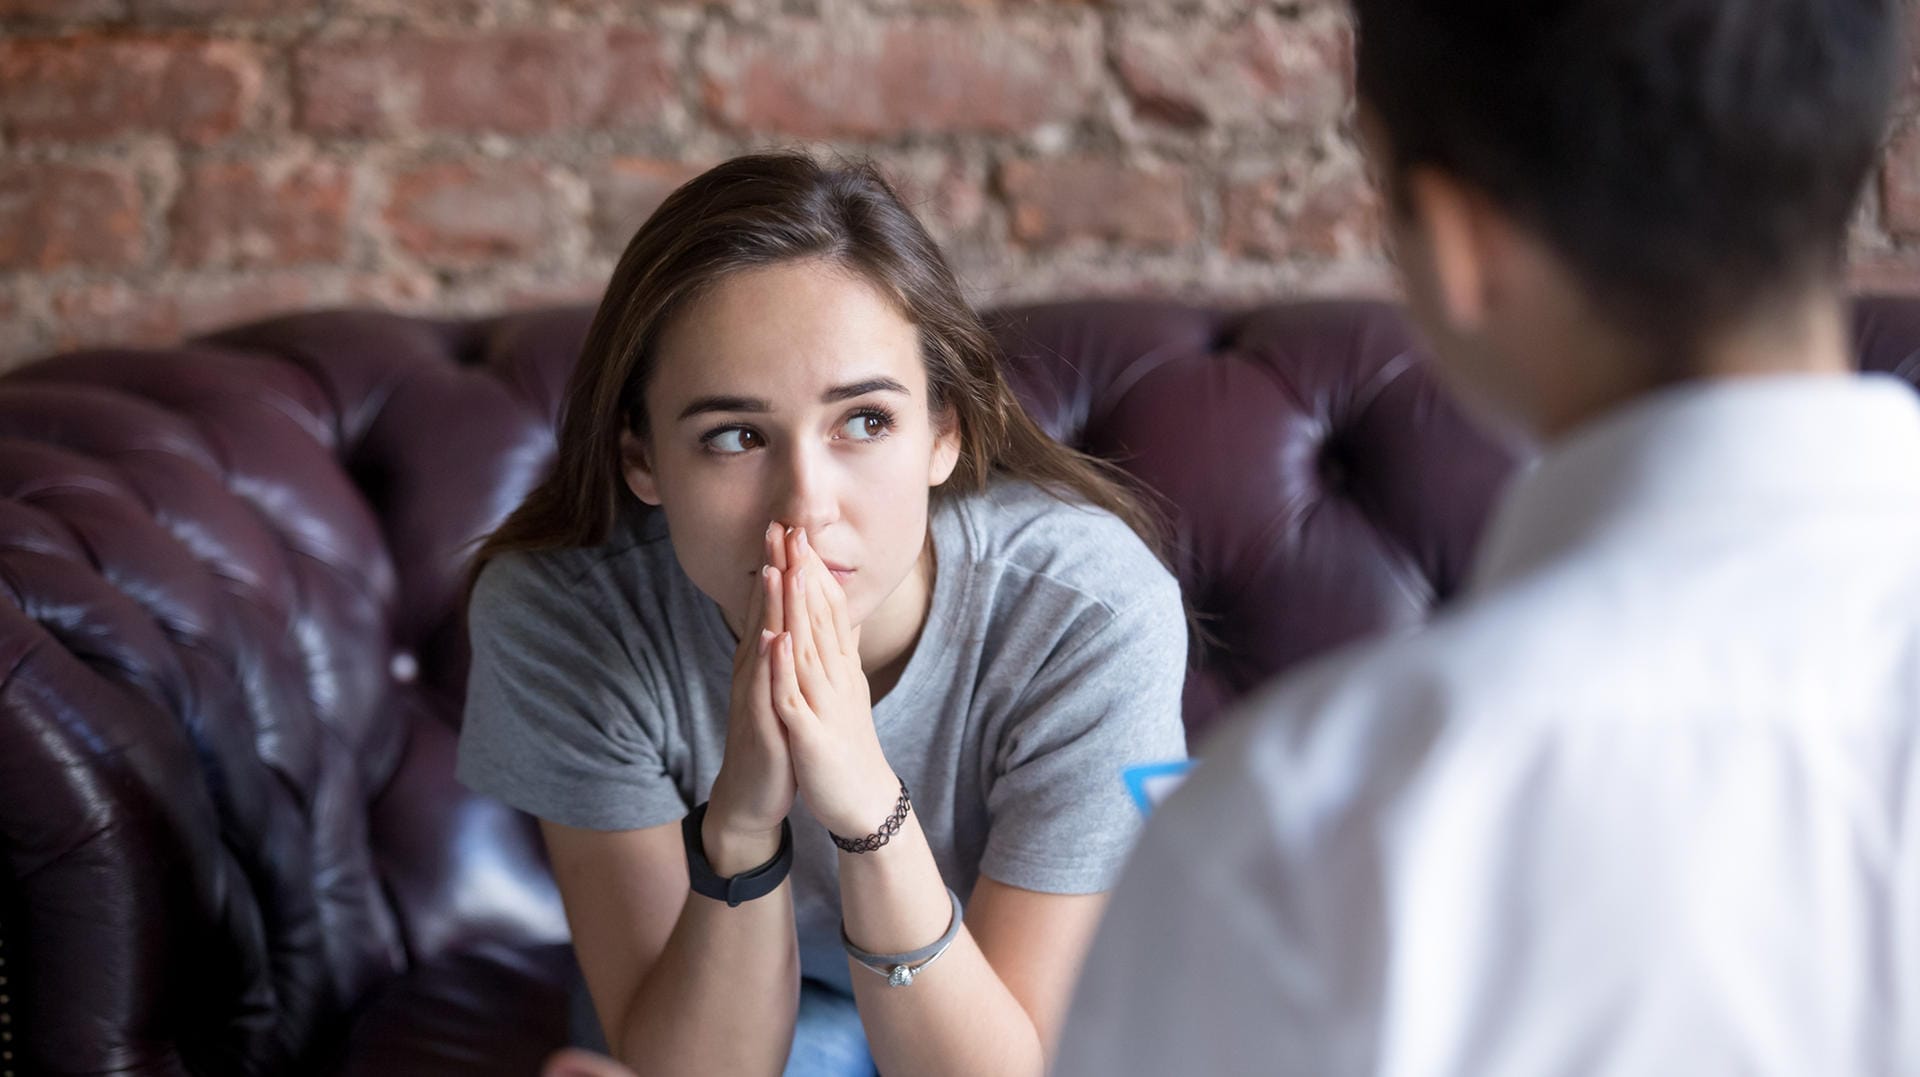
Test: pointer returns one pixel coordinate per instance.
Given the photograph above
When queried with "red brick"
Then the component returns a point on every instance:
(23, 334)
(571, 289)
(626, 191)
(459, 13)
(67, 11)
(114, 313)
(461, 214)
(516, 82)
(182, 10)
(1288, 73)
(1900, 183)
(401, 290)
(61, 216)
(898, 76)
(947, 194)
(1298, 210)
(212, 305)
(261, 213)
(79, 89)
(137, 315)
(992, 5)
(1062, 199)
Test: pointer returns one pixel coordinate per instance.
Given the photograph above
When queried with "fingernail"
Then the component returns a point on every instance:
(766, 637)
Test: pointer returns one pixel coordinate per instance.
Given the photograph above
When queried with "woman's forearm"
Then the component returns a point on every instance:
(957, 1018)
(722, 996)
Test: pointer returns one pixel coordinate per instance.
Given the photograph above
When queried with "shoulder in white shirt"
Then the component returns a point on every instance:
(1646, 801)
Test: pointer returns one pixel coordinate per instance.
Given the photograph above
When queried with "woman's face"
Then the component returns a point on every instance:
(793, 394)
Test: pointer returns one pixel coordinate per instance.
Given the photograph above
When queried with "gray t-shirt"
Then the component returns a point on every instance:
(1052, 659)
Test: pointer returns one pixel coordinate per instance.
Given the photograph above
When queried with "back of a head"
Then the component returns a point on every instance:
(1690, 160)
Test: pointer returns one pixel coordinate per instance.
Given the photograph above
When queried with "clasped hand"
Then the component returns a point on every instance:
(800, 720)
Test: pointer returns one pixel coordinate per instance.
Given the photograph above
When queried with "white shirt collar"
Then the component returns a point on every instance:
(1703, 452)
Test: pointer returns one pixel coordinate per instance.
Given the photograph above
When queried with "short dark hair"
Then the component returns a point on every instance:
(1690, 159)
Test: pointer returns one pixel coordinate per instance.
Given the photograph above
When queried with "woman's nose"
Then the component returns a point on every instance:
(807, 498)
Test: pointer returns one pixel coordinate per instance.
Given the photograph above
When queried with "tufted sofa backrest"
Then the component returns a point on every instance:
(1319, 484)
(231, 655)
(232, 676)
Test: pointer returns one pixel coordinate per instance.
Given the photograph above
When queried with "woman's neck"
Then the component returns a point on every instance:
(888, 637)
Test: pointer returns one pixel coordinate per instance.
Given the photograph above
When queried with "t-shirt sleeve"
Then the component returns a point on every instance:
(555, 721)
(1106, 698)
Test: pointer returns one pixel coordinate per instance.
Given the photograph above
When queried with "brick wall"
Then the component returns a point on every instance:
(168, 166)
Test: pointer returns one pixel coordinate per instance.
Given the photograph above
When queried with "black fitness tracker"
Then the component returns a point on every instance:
(745, 886)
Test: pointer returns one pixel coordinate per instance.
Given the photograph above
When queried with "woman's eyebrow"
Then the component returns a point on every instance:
(704, 404)
(862, 388)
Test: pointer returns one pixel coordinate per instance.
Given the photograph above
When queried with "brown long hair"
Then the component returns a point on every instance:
(763, 210)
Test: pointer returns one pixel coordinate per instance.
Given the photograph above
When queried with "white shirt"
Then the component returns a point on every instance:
(1645, 802)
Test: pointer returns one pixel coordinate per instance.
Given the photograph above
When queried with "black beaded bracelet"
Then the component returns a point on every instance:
(887, 829)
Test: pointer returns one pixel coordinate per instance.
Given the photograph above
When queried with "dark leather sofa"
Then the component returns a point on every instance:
(232, 656)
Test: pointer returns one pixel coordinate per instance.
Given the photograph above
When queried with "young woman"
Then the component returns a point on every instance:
(818, 662)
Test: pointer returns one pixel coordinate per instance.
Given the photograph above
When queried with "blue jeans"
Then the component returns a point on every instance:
(828, 1040)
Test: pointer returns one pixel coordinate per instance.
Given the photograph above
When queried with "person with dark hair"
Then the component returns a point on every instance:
(817, 660)
(1646, 799)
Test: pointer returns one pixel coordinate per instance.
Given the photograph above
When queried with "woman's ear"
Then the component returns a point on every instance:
(946, 447)
(637, 469)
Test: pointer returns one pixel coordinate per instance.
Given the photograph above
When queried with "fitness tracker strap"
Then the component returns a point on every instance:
(745, 886)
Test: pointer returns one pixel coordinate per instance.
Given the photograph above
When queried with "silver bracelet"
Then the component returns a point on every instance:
(900, 969)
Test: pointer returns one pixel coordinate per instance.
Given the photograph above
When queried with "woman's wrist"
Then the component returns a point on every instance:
(732, 850)
(878, 814)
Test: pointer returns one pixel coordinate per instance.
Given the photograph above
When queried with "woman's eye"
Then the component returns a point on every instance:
(732, 441)
(866, 426)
